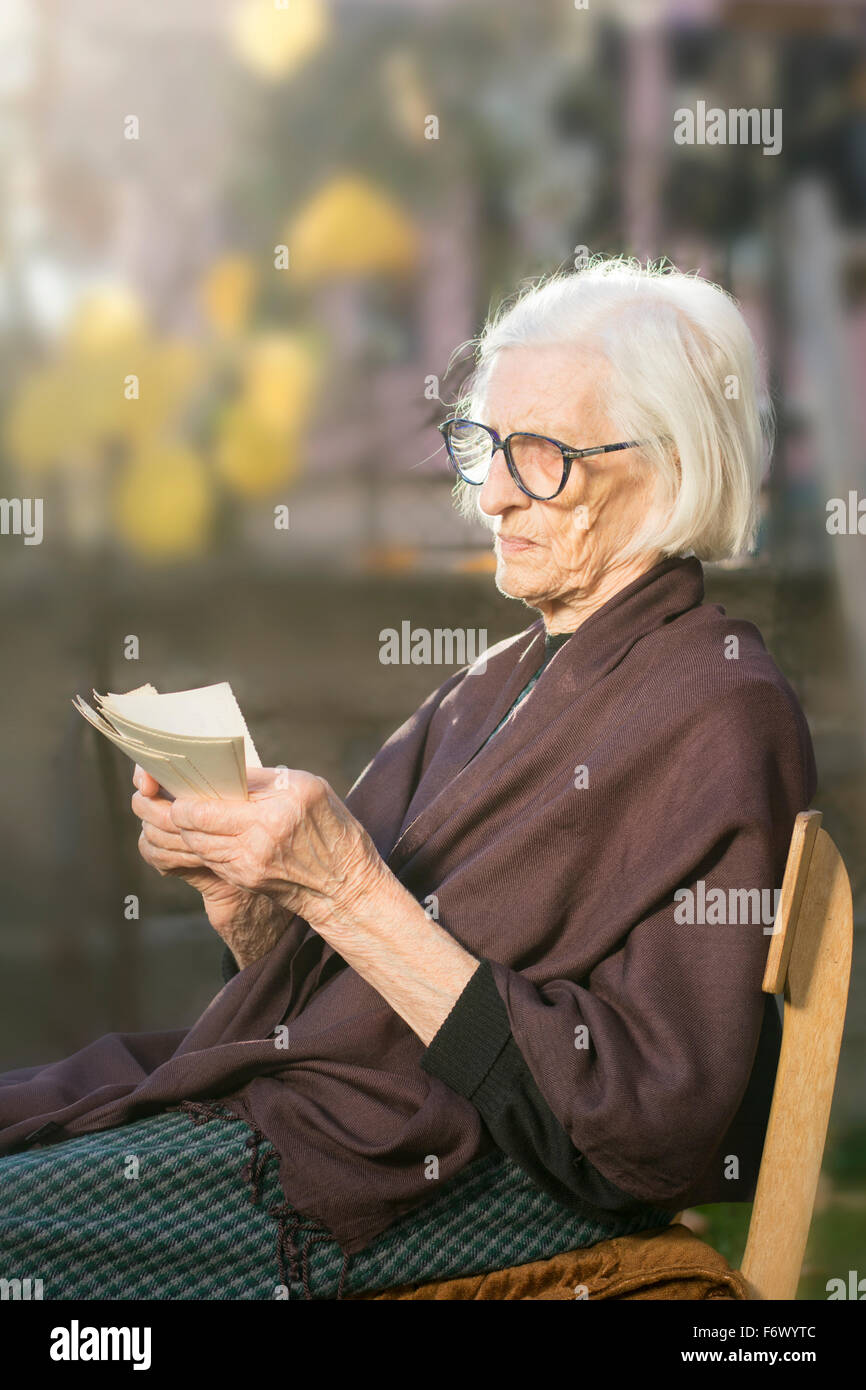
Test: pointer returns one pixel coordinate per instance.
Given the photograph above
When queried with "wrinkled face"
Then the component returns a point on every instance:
(550, 553)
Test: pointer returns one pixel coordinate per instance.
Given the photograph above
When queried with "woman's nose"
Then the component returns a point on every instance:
(499, 491)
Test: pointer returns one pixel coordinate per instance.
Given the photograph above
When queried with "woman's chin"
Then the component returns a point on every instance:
(516, 580)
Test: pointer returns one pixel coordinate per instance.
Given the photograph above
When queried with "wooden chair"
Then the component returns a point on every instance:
(809, 961)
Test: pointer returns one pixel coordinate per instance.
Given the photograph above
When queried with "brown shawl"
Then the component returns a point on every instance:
(697, 763)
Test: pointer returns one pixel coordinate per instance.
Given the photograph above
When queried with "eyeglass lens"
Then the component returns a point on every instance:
(538, 463)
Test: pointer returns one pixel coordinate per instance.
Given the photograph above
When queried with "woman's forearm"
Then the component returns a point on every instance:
(384, 934)
(301, 846)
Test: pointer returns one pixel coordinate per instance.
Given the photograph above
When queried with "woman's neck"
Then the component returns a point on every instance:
(567, 612)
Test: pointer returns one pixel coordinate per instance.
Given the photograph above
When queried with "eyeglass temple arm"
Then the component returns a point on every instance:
(604, 449)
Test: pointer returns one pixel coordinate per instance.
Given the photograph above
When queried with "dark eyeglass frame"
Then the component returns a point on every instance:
(568, 453)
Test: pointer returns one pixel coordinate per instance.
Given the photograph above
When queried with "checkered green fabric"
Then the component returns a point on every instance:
(162, 1209)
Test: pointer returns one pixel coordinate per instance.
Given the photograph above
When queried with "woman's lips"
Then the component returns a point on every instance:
(513, 545)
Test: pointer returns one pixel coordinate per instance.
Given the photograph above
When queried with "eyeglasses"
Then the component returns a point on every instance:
(538, 465)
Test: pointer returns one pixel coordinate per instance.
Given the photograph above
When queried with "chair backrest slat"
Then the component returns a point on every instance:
(810, 960)
(806, 828)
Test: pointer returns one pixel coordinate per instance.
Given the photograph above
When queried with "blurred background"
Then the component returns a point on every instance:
(239, 244)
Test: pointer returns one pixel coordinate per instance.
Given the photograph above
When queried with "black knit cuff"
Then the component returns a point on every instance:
(472, 1036)
(229, 966)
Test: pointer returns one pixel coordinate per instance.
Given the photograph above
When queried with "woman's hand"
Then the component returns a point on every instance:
(293, 841)
(249, 923)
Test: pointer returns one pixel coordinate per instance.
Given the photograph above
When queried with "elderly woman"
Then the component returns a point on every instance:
(505, 1000)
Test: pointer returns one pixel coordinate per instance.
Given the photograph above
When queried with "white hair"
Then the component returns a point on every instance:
(683, 374)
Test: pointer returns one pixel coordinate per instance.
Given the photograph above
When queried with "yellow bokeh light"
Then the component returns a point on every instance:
(250, 458)
(276, 39)
(226, 293)
(106, 319)
(279, 379)
(64, 414)
(168, 373)
(40, 426)
(409, 103)
(163, 502)
(392, 559)
(482, 562)
(350, 227)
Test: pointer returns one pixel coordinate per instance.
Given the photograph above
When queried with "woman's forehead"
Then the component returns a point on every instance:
(542, 392)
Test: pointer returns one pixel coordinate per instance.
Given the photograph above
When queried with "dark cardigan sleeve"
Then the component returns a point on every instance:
(474, 1052)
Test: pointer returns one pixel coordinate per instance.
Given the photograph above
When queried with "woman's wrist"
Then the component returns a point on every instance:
(353, 893)
(255, 930)
(385, 935)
